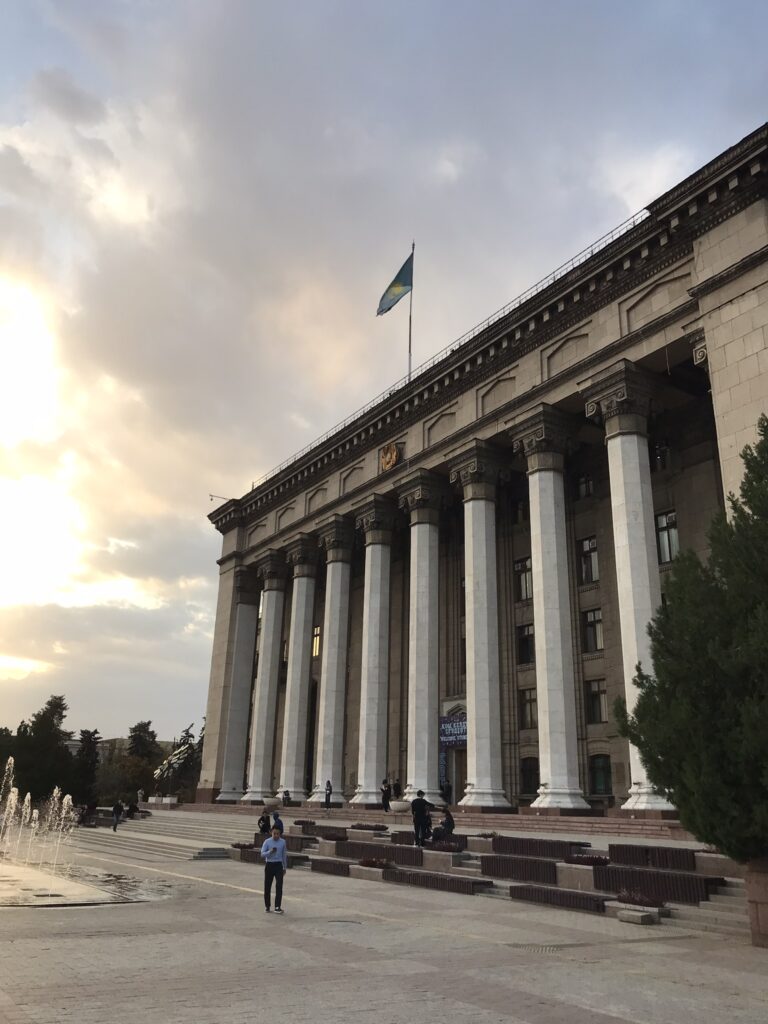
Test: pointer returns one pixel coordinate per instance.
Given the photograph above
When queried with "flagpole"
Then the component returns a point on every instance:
(410, 309)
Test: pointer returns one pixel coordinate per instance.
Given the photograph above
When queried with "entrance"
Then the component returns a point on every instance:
(458, 772)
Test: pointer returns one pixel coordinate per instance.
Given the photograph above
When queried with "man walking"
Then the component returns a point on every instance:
(420, 809)
(275, 853)
(117, 815)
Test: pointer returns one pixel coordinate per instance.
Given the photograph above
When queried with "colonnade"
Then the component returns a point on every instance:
(621, 400)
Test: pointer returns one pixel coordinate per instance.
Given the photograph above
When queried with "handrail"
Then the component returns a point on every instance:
(545, 282)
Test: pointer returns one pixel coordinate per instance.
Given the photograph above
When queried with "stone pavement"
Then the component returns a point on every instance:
(350, 951)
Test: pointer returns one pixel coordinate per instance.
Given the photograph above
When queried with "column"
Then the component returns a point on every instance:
(271, 570)
(421, 497)
(477, 471)
(336, 541)
(235, 724)
(622, 398)
(376, 520)
(542, 439)
(302, 556)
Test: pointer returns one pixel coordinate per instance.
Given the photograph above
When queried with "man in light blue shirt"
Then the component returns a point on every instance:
(275, 854)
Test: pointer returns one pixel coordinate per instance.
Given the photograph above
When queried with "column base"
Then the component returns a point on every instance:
(366, 798)
(643, 797)
(258, 796)
(570, 799)
(485, 799)
(434, 796)
(230, 796)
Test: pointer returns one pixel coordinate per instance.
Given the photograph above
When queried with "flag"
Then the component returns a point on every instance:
(401, 285)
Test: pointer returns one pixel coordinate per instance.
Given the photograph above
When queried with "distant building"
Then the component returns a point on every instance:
(455, 585)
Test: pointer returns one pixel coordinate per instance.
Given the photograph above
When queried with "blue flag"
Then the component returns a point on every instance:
(401, 285)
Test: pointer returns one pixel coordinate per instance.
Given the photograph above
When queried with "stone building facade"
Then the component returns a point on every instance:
(455, 586)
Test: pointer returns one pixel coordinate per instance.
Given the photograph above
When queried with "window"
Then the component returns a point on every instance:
(529, 718)
(585, 486)
(666, 536)
(600, 783)
(592, 630)
(596, 700)
(525, 647)
(285, 651)
(523, 579)
(589, 570)
(529, 775)
(315, 641)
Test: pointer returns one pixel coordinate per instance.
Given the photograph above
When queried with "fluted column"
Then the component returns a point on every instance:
(376, 521)
(621, 397)
(301, 555)
(421, 497)
(271, 570)
(336, 540)
(477, 471)
(542, 439)
(235, 723)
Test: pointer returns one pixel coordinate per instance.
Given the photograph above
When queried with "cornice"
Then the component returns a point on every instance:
(746, 263)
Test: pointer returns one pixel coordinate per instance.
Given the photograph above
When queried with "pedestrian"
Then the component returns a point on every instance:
(117, 815)
(265, 824)
(397, 789)
(328, 794)
(420, 809)
(275, 853)
(386, 794)
(278, 823)
(445, 829)
(286, 797)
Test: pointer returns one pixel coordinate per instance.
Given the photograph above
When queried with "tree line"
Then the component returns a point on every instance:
(94, 772)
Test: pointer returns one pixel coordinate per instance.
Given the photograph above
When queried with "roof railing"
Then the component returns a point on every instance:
(545, 282)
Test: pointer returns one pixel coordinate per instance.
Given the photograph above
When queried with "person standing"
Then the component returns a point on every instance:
(275, 853)
(420, 809)
(117, 815)
(328, 794)
(386, 794)
(278, 823)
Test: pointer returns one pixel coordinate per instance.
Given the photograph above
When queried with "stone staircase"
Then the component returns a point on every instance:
(724, 912)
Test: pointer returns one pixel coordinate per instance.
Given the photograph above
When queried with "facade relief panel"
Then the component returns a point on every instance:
(350, 477)
(284, 516)
(564, 353)
(652, 302)
(438, 427)
(317, 498)
(496, 394)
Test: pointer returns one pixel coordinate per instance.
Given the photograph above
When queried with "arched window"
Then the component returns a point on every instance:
(529, 775)
(600, 783)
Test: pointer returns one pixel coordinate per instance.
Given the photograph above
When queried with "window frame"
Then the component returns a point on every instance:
(588, 557)
(592, 636)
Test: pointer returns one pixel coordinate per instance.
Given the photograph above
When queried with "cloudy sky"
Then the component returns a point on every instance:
(200, 205)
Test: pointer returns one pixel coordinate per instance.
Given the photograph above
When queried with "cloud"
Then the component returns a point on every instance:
(55, 90)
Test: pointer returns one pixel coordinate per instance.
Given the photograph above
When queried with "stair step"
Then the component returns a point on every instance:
(729, 899)
(703, 926)
(469, 872)
(711, 917)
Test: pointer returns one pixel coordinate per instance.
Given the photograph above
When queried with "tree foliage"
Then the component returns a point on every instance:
(142, 742)
(40, 750)
(701, 721)
(86, 766)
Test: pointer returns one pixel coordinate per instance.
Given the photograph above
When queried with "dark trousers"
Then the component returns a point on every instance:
(420, 829)
(273, 871)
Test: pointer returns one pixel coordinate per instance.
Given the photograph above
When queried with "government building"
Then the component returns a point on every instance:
(453, 587)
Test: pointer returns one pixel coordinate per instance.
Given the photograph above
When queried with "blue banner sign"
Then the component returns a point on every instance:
(453, 731)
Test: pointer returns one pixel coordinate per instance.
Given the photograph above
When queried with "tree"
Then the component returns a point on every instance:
(701, 721)
(42, 757)
(142, 742)
(86, 766)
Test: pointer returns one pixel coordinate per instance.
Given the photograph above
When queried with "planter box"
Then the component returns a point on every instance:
(477, 845)
(236, 854)
(169, 801)
(434, 860)
(575, 876)
(369, 874)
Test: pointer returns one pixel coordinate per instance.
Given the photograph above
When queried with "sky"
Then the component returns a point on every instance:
(200, 205)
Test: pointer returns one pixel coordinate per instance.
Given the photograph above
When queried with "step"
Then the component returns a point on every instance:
(694, 926)
(728, 899)
(710, 917)
(469, 872)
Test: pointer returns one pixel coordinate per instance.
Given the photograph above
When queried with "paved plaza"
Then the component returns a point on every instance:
(200, 948)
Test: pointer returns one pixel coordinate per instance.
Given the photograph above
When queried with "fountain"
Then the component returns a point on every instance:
(33, 846)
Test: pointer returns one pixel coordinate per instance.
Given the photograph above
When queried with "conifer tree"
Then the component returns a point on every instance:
(701, 720)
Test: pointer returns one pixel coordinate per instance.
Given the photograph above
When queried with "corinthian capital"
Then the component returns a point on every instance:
(478, 469)
(622, 391)
(547, 430)
(271, 570)
(335, 536)
(301, 554)
(422, 496)
(376, 518)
